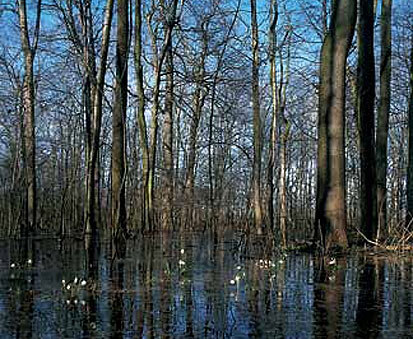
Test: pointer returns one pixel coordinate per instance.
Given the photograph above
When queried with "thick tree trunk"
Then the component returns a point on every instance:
(256, 121)
(167, 140)
(365, 111)
(119, 120)
(29, 138)
(383, 116)
(330, 221)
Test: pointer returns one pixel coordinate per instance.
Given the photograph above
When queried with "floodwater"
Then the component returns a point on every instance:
(194, 286)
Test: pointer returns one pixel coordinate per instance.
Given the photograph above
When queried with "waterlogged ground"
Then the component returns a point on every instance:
(195, 287)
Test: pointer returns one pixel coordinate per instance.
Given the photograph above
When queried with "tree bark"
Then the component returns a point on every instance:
(383, 116)
(272, 37)
(119, 120)
(167, 143)
(365, 112)
(256, 121)
(29, 137)
(97, 87)
(140, 118)
(330, 220)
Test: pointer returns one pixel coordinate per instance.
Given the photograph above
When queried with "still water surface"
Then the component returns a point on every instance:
(194, 286)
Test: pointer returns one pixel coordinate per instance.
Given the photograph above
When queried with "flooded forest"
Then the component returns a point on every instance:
(206, 168)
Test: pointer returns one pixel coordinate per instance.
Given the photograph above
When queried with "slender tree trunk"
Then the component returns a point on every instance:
(143, 136)
(365, 111)
(410, 155)
(220, 62)
(284, 134)
(157, 63)
(198, 104)
(167, 139)
(119, 120)
(330, 221)
(272, 37)
(383, 116)
(29, 138)
(256, 120)
(95, 125)
(283, 183)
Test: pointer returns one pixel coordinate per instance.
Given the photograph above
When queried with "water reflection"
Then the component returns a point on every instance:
(195, 287)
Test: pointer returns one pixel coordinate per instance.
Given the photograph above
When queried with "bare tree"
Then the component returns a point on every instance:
(365, 111)
(94, 118)
(330, 220)
(272, 37)
(119, 119)
(149, 147)
(29, 138)
(167, 144)
(256, 120)
(383, 115)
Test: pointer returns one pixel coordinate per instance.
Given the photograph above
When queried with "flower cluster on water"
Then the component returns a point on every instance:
(73, 290)
(28, 263)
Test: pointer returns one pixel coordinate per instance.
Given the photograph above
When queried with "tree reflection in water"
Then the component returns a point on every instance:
(195, 287)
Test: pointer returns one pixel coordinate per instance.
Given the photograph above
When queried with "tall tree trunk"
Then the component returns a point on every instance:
(365, 111)
(410, 156)
(140, 118)
(283, 182)
(284, 134)
(256, 120)
(97, 88)
(29, 138)
(383, 116)
(330, 220)
(198, 104)
(272, 37)
(167, 139)
(157, 63)
(119, 120)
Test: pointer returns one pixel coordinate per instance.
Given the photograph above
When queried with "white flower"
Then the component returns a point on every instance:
(68, 287)
(29, 261)
(181, 263)
(76, 280)
(76, 301)
(67, 302)
(232, 282)
(83, 302)
(332, 261)
(83, 283)
(63, 282)
(239, 267)
(182, 251)
(13, 265)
